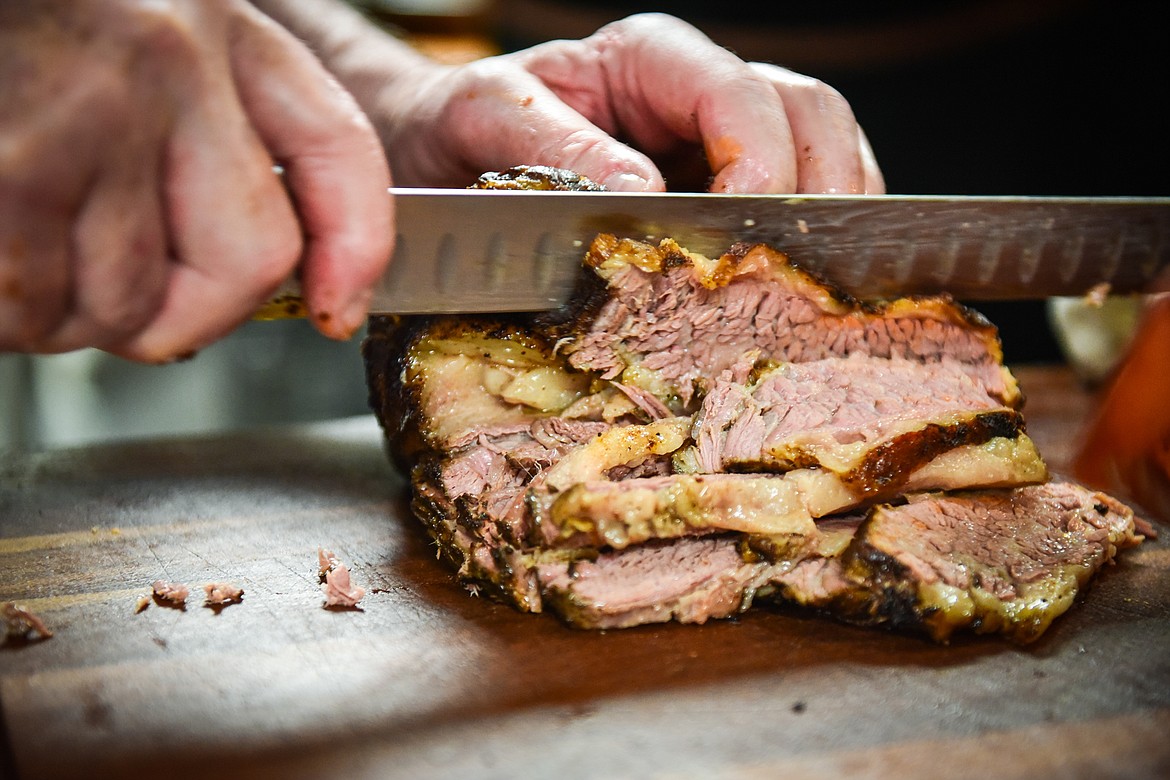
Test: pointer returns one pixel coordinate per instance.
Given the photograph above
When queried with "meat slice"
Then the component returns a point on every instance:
(484, 560)
(626, 448)
(670, 321)
(438, 384)
(690, 581)
(871, 421)
(1003, 561)
(601, 515)
(1007, 562)
(492, 462)
(616, 514)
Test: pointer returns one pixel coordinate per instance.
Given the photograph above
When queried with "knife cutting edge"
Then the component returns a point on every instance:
(521, 250)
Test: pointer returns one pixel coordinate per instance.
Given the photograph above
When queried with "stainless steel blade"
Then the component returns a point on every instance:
(483, 250)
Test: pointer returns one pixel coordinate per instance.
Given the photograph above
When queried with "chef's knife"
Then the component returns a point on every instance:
(520, 250)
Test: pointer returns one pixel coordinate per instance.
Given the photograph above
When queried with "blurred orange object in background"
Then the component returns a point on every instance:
(1126, 448)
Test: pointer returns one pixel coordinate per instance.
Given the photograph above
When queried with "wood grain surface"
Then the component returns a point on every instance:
(425, 680)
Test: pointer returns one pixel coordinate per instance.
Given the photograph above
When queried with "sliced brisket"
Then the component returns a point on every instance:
(691, 434)
(871, 421)
(669, 321)
(604, 513)
(689, 580)
(1006, 562)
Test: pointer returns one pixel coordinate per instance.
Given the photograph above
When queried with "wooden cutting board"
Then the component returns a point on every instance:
(427, 681)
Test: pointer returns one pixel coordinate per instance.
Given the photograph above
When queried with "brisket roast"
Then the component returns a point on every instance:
(691, 435)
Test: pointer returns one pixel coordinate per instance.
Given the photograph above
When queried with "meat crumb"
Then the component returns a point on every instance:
(1097, 294)
(221, 594)
(21, 623)
(326, 560)
(338, 589)
(170, 594)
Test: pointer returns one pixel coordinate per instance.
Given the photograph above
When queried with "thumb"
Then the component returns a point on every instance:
(522, 122)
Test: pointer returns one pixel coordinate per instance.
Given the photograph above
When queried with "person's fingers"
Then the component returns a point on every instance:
(47, 165)
(496, 115)
(234, 236)
(233, 231)
(875, 182)
(334, 167)
(179, 227)
(120, 265)
(658, 81)
(118, 240)
(832, 155)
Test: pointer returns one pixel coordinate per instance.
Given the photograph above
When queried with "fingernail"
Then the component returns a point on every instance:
(341, 325)
(354, 316)
(625, 182)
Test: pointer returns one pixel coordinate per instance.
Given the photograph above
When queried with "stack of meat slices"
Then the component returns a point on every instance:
(696, 434)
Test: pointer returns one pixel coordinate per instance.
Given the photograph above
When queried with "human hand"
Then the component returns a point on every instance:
(650, 80)
(139, 208)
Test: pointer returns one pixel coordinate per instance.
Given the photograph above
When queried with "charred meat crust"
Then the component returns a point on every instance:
(535, 177)
(384, 353)
(889, 465)
(589, 295)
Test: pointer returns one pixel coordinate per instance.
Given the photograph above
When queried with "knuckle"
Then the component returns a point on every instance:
(571, 150)
(482, 95)
(653, 23)
(156, 45)
(162, 33)
(485, 79)
(342, 126)
(832, 99)
(121, 318)
(122, 315)
(822, 95)
(359, 251)
(273, 262)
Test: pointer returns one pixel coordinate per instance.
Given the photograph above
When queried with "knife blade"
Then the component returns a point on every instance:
(520, 250)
